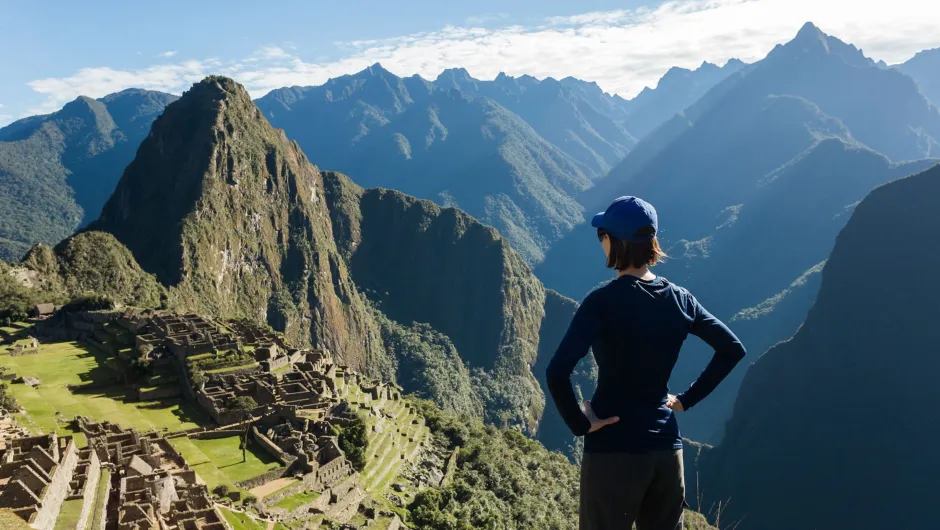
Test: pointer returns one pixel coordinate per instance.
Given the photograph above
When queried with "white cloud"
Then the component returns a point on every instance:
(622, 50)
(168, 54)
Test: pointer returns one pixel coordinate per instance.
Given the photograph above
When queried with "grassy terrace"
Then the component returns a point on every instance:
(104, 485)
(297, 500)
(240, 521)
(70, 363)
(219, 461)
(69, 514)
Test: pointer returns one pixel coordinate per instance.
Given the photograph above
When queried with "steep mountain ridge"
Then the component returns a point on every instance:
(676, 90)
(421, 263)
(227, 212)
(58, 169)
(557, 113)
(832, 412)
(924, 68)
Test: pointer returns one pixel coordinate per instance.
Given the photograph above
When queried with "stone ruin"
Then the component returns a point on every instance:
(180, 335)
(311, 386)
(36, 477)
(313, 452)
(29, 346)
(152, 487)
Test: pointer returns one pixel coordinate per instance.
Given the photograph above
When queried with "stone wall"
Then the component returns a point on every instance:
(92, 474)
(272, 448)
(286, 492)
(254, 482)
(57, 490)
(211, 435)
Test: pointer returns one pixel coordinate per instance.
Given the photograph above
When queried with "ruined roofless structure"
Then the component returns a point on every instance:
(36, 477)
(155, 487)
(311, 386)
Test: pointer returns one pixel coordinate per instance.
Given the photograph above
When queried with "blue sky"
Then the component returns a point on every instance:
(53, 51)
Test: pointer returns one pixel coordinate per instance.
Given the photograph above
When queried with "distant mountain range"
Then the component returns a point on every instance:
(57, 170)
(824, 422)
(753, 182)
(513, 152)
(925, 69)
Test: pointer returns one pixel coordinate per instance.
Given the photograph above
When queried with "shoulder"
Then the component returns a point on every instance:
(683, 296)
(596, 296)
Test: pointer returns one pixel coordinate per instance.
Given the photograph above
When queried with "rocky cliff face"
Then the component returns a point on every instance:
(829, 422)
(422, 263)
(231, 216)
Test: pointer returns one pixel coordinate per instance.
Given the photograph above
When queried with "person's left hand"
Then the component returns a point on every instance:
(597, 423)
(673, 403)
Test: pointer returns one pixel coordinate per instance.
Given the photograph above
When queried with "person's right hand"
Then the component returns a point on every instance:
(597, 423)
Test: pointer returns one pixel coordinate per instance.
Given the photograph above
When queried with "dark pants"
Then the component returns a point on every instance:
(618, 489)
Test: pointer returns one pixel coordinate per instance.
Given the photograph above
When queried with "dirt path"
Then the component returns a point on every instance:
(268, 488)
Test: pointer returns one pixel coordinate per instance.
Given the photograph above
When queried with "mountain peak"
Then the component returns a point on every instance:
(810, 31)
(455, 74)
(811, 41)
(378, 69)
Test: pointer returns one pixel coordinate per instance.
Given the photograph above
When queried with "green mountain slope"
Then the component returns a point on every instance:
(421, 263)
(832, 412)
(57, 170)
(408, 134)
(230, 215)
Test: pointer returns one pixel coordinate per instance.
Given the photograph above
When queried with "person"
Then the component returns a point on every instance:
(632, 471)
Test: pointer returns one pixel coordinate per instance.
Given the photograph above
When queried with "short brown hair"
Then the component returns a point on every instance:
(626, 254)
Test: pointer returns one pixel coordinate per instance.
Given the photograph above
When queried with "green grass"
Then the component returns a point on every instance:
(69, 514)
(240, 521)
(219, 461)
(232, 368)
(104, 484)
(60, 364)
(297, 500)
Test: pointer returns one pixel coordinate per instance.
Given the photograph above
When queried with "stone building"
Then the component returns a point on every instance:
(303, 388)
(155, 487)
(35, 477)
(313, 452)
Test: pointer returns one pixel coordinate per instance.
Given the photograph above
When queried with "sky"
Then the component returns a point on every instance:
(52, 51)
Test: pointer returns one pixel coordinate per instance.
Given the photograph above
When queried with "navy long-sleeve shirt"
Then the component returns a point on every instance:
(636, 329)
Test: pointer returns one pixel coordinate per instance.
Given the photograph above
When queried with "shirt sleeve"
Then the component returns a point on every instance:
(581, 333)
(728, 353)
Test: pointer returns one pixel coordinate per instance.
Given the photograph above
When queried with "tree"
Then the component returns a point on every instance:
(353, 440)
(244, 405)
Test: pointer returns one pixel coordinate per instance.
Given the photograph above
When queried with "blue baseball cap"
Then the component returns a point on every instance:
(625, 217)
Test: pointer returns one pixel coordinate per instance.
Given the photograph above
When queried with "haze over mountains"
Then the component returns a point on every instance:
(772, 158)
(516, 160)
(57, 170)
